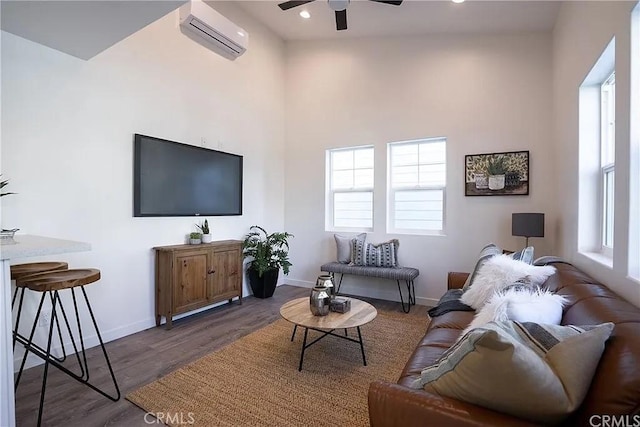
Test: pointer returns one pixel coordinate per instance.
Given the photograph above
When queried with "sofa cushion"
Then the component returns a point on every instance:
(500, 272)
(537, 372)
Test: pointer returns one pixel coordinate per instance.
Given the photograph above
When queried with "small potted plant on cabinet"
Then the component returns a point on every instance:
(268, 253)
(195, 238)
(206, 235)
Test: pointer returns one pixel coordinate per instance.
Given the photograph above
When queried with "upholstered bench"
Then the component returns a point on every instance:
(407, 274)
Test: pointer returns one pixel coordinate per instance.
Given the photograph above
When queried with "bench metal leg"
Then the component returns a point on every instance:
(339, 283)
(411, 298)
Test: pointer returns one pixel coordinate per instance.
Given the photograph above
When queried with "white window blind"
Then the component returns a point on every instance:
(417, 182)
(350, 195)
(607, 159)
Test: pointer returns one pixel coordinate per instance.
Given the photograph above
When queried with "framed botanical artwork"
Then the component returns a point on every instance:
(497, 174)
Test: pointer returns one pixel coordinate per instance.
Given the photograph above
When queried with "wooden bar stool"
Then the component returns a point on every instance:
(52, 283)
(19, 271)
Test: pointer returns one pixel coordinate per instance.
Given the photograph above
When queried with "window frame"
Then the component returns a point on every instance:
(331, 192)
(607, 166)
(391, 190)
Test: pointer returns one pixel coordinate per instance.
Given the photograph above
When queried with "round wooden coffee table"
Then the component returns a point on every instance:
(299, 313)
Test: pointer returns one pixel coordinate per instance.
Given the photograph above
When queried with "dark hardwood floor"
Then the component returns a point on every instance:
(143, 357)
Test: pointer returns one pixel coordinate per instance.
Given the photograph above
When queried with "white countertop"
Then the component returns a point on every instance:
(24, 246)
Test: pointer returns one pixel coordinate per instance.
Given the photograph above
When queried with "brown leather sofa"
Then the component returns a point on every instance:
(615, 389)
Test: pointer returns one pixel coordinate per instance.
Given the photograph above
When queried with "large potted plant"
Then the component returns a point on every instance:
(268, 253)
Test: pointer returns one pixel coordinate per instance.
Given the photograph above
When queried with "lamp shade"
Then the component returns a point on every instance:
(527, 224)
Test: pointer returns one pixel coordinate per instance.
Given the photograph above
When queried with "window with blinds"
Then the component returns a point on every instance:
(417, 173)
(350, 189)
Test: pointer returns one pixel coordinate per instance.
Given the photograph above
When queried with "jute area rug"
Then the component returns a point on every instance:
(255, 380)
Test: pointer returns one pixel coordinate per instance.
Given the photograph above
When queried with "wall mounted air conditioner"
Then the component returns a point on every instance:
(216, 31)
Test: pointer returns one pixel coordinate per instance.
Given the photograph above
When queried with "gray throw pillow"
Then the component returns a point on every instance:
(343, 246)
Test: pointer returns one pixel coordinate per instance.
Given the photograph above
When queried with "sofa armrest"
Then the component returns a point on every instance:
(455, 280)
(398, 406)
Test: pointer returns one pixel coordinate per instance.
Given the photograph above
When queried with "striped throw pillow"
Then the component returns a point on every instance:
(528, 370)
(377, 255)
(524, 255)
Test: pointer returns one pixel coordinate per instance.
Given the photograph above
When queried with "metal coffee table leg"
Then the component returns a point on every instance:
(364, 360)
(304, 346)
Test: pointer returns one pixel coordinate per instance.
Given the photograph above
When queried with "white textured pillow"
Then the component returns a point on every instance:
(522, 305)
(499, 272)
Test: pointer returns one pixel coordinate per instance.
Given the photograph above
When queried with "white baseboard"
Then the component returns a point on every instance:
(89, 341)
(299, 283)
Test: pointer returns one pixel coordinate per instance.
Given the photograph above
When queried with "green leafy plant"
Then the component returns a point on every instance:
(2, 185)
(204, 227)
(195, 235)
(497, 166)
(267, 251)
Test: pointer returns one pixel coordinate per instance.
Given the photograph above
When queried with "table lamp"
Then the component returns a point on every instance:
(527, 225)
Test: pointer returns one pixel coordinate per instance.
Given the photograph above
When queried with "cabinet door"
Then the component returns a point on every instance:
(226, 282)
(190, 281)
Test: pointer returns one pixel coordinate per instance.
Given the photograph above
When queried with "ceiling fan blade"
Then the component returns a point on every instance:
(294, 3)
(391, 2)
(341, 20)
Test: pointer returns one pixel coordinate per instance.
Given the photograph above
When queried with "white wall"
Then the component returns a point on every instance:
(484, 93)
(67, 146)
(582, 32)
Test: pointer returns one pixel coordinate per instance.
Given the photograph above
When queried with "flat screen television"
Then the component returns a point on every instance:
(174, 179)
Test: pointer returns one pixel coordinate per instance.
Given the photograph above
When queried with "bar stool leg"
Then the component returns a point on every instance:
(15, 331)
(47, 358)
(104, 351)
(56, 295)
(29, 341)
(22, 340)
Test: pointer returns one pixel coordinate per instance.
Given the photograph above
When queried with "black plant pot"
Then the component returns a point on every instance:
(265, 286)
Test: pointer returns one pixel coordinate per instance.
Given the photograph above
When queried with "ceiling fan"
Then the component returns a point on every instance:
(339, 6)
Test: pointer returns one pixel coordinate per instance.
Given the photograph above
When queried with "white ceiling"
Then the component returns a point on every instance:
(412, 17)
(87, 27)
(81, 28)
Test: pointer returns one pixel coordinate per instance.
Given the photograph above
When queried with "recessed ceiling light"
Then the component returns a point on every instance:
(458, 1)
(305, 14)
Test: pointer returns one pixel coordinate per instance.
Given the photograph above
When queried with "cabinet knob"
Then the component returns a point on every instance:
(211, 271)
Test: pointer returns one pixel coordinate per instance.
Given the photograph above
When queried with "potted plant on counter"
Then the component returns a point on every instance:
(195, 238)
(268, 253)
(206, 235)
